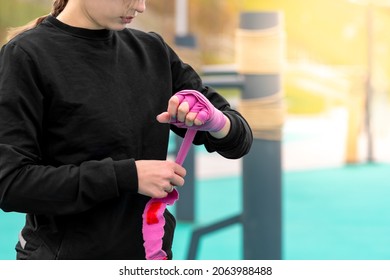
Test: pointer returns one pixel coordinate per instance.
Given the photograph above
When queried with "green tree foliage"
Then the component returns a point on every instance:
(19, 12)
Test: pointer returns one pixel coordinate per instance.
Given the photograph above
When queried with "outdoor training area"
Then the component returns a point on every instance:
(316, 93)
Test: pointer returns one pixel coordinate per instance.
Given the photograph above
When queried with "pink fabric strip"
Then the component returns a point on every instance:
(153, 216)
(185, 146)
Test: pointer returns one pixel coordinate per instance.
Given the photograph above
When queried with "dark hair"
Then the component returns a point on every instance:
(58, 7)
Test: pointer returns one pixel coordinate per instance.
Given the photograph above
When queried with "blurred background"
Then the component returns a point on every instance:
(329, 193)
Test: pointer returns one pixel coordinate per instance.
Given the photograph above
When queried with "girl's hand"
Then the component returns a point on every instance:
(156, 178)
(191, 109)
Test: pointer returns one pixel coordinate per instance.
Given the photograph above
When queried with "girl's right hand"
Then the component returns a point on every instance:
(156, 178)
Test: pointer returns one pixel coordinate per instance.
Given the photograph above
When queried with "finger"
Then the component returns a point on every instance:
(170, 189)
(158, 193)
(177, 181)
(182, 111)
(202, 117)
(197, 122)
(179, 170)
(173, 104)
(190, 118)
(163, 117)
(162, 194)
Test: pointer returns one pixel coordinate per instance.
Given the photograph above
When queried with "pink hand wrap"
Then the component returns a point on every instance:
(153, 217)
(153, 223)
(213, 120)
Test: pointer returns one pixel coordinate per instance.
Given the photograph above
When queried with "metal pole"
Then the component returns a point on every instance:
(181, 24)
(261, 216)
(183, 38)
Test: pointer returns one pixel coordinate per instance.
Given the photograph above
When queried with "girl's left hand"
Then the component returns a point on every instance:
(191, 109)
(179, 112)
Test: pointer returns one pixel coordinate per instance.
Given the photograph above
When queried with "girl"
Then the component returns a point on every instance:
(82, 151)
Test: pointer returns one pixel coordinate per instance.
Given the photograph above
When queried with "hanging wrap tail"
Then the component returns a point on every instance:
(153, 216)
(153, 220)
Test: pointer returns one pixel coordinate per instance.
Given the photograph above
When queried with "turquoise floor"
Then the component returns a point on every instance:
(328, 214)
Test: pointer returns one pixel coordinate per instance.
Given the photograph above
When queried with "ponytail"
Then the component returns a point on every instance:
(58, 7)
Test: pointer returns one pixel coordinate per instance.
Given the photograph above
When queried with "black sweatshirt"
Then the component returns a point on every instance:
(78, 107)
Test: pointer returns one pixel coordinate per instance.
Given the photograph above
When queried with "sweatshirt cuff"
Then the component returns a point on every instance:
(126, 176)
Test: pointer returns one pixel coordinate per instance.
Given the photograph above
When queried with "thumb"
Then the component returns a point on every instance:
(163, 117)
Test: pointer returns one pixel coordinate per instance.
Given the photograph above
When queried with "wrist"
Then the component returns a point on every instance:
(222, 132)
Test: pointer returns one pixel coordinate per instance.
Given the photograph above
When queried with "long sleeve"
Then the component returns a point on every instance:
(27, 183)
